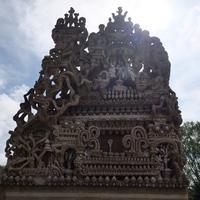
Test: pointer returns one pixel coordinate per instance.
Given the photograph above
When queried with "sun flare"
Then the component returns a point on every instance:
(152, 15)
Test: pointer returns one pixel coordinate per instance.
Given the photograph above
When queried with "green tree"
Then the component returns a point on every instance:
(190, 132)
(1, 167)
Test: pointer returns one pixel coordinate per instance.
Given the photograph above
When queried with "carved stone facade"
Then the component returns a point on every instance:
(101, 112)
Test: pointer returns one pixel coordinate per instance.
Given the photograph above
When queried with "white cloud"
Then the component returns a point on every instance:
(8, 74)
(18, 91)
(3, 79)
(151, 15)
(191, 29)
(36, 25)
(185, 64)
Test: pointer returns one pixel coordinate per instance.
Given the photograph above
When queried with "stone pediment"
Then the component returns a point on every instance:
(101, 112)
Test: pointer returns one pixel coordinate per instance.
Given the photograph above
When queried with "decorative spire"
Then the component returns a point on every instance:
(119, 23)
(71, 20)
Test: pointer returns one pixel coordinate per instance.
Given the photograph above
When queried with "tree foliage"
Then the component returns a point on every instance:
(1, 167)
(190, 132)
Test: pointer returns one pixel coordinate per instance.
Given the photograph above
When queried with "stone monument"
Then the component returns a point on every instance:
(101, 121)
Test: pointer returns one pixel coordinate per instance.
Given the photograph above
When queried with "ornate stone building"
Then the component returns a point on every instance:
(101, 115)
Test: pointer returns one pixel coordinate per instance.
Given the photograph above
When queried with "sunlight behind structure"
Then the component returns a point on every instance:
(152, 15)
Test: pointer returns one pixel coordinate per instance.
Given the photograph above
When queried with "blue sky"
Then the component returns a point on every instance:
(25, 38)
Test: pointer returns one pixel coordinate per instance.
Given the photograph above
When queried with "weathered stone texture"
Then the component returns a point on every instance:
(93, 193)
(101, 114)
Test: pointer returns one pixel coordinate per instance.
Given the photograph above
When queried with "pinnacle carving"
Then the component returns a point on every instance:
(100, 113)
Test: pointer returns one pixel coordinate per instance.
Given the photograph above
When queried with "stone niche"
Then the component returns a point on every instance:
(101, 121)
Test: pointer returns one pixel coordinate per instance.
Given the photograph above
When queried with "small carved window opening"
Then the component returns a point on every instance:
(69, 158)
(78, 67)
(142, 68)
